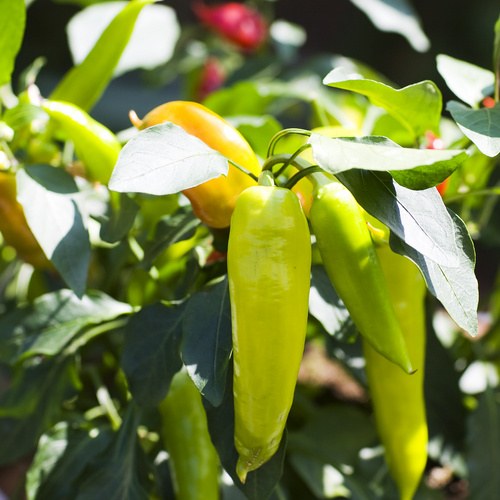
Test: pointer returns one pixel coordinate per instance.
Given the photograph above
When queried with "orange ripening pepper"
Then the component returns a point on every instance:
(14, 227)
(213, 201)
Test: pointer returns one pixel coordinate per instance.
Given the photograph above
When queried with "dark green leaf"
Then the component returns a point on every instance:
(481, 126)
(397, 16)
(207, 343)
(164, 159)
(261, 482)
(117, 475)
(83, 84)
(326, 306)
(412, 168)
(151, 354)
(417, 106)
(62, 455)
(169, 230)
(455, 287)
(419, 218)
(119, 223)
(335, 435)
(52, 320)
(483, 447)
(12, 24)
(467, 81)
(35, 381)
(49, 196)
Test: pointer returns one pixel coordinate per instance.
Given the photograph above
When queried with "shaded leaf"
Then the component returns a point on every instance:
(207, 342)
(151, 355)
(483, 447)
(164, 159)
(49, 196)
(117, 475)
(12, 24)
(467, 81)
(52, 321)
(419, 218)
(117, 225)
(62, 455)
(481, 126)
(396, 16)
(417, 106)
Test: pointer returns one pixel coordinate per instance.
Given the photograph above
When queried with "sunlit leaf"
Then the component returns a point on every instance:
(12, 24)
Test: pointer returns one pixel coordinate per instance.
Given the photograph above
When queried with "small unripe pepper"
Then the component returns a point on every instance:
(351, 262)
(194, 463)
(213, 201)
(398, 398)
(14, 227)
(269, 260)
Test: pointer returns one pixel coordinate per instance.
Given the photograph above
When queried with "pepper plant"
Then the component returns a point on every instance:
(163, 288)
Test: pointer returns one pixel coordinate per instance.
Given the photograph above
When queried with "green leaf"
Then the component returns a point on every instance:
(422, 168)
(261, 482)
(36, 381)
(257, 130)
(455, 287)
(12, 24)
(335, 435)
(49, 196)
(62, 454)
(83, 84)
(164, 159)
(151, 351)
(419, 218)
(207, 342)
(48, 324)
(170, 229)
(95, 145)
(115, 226)
(483, 447)
(151, 44)
(481, 126)
(326, 306)
(397, 16)
(417, 106)
(117, 475)
(467, 81)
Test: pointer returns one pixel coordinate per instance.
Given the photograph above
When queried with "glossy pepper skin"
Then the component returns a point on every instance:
(398, 399)
(194, 463)
(213, 201)
(269, 259)
(351, 262)
(14, 227)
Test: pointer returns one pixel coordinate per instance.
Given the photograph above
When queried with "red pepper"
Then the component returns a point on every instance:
(235, 22)
(488, 102)
(211, 79)
(435, 142)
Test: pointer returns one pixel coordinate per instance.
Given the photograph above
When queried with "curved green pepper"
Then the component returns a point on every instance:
(351, 262)
(268, 259)
(194, 463)
(95, 145)
(398, 399)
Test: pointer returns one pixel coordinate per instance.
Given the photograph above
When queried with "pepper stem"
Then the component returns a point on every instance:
(266, 178)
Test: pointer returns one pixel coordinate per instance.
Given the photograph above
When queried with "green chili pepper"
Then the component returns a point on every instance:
(353, 267)
(95, 145)
(83, 84)
(268, 259)
(194, 463)
(398, 399)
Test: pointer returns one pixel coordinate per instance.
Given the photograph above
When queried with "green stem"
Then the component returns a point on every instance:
(104, 398)
(301, 174)
(282, 133)
(266, 178)
(243, 169)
